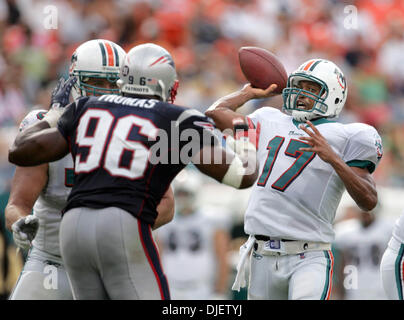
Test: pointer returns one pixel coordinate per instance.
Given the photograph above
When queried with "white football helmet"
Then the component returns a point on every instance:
(331, 99)
(95, 59)
(149, 69)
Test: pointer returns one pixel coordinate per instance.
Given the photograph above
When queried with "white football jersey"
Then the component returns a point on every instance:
(53, 197)
(363, 249)
(297, 194)
(398, 230)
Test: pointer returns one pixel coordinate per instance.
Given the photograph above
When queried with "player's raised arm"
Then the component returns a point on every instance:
(223, 111)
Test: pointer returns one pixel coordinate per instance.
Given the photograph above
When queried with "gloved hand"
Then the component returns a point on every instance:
(24, 231)
(59, 99)
(61, 93)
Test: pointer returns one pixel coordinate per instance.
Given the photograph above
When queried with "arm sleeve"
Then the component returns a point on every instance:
(261, 114)
(364, 149)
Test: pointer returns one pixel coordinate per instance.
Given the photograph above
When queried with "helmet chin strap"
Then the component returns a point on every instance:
(302, 116)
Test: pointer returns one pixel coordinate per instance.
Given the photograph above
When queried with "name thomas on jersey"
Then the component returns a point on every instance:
(174, 137)
(140, 143)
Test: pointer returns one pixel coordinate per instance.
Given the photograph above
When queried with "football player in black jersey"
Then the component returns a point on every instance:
(127, 149)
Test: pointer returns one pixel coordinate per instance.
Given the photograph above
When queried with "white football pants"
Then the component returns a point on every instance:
(306, 276)
(42, 278)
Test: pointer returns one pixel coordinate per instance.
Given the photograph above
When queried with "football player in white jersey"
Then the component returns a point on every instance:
(44, 189)
(392, 264)
(359, 244)
(306, 161)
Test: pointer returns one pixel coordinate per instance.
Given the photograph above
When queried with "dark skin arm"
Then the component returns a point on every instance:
(26, 187)
(358, 181)
(165, 209)
(38, 144)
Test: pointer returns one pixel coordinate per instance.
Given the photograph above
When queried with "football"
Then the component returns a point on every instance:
(262, 68)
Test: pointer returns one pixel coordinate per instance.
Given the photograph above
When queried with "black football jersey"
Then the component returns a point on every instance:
(127, 151)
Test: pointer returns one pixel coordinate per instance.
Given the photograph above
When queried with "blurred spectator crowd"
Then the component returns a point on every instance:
(364, 37)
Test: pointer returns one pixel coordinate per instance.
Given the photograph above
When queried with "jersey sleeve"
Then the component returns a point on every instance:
(364, 148)
(31, 118)
(261, 114)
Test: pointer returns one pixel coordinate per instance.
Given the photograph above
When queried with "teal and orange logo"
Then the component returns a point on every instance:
(341, 79)
(379, 149)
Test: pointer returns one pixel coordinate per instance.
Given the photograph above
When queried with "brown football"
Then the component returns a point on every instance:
(262, 68)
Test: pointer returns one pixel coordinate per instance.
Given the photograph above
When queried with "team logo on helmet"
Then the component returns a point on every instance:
(341, 80)
(163, 59)
(379, 148)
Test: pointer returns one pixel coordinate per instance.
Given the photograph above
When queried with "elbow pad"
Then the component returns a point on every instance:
(235, 173)
(53, 115)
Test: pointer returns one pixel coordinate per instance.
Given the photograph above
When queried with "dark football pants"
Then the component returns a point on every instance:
(109, 254)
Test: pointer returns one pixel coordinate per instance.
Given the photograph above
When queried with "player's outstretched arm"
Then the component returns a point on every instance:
(223, 111)
(165, 209)
(38, 144)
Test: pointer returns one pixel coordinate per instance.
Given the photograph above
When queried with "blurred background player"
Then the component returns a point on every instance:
(45, 188)
(392, 264)
(194, 247)
(359, 245)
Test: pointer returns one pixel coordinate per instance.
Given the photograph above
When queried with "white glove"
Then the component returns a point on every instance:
(24, 231)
